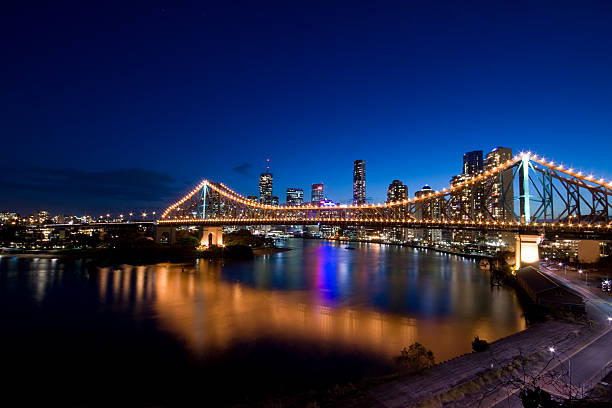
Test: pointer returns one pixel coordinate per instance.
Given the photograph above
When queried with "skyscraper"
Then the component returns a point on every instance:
(359, 182)
(426, 210)
(472, 162)
(295, 196)
(501, 205)
(265, 185)
(397, 191)
(316, 194)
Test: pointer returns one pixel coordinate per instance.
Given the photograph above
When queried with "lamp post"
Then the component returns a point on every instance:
(586, 275)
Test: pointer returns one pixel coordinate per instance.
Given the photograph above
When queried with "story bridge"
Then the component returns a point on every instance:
(527, 195)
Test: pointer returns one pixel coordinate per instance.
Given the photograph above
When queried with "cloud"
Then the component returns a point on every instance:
(36, 187)
(244, 169)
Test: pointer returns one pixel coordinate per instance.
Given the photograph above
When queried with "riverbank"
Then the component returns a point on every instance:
(467, 255)
(268, 251)
(146, 255)
(473, 379)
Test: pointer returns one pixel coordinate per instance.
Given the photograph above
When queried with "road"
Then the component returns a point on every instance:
(586, 364)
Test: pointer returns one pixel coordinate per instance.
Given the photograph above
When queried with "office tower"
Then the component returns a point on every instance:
(273, 200)
(265, 185)
(359, 182)
(472, 162)
(252, 198)
(397, 191)
(501, 204)
(427, 210)
(295, 196)
(316, 194)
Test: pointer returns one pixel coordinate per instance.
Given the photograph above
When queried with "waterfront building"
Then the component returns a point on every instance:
(316, 193)
(41, 217)
(359, 182)
(397, 191)
(295, 196)
(9, 218)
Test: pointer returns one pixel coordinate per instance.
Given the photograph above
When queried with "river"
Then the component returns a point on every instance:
(308, 318)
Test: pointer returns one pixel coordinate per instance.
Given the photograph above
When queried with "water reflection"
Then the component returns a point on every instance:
(373, 300)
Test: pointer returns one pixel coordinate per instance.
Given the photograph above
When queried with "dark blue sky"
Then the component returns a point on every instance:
(119, 107)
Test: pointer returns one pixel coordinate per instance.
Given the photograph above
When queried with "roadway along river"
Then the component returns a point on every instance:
(310, 317)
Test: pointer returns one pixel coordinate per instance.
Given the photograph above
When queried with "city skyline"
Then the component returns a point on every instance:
(406, 89)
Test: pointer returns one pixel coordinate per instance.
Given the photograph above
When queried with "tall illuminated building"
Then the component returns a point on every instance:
(316, 194)
(397, 191)
(427, 210)
(359, 182)
(295, 196)
(472, 162)
(501, 204)
(265, 185)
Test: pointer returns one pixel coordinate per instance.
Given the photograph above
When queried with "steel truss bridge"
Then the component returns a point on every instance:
(525, 194)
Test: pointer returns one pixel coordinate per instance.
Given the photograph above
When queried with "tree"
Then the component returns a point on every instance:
(479, 345)
(537, 398)
(187, 239)
(414, 359)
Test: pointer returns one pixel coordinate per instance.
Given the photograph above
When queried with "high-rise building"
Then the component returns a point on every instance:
(252, 198)
(265, 185)
(397, 191)
(295, 196)
(472, 162)
(501, 204)
(426, 210)
(316, 194)
(359, 182)
(41, 217)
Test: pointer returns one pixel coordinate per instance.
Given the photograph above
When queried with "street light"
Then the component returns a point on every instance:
(586, 276)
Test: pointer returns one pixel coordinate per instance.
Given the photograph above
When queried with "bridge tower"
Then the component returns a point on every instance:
(165, 234)
(526, 250)
(211, 236)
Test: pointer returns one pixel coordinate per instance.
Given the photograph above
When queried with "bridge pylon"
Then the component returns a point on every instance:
(527, 251)
(210, 235)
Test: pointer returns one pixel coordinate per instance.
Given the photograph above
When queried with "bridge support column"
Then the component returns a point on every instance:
(211, 236)
(165, 234)
(527, 251)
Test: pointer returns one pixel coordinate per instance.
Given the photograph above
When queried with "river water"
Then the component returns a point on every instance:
(308, 318)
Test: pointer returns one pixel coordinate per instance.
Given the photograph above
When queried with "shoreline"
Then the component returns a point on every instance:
(404, 245)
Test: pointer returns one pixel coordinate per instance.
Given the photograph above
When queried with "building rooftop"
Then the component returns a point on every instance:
(536, 280)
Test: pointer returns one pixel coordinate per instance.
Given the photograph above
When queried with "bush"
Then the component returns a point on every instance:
(414, 359)
(479, 345)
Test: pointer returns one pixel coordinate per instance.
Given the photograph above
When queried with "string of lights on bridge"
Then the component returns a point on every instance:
(232, 195)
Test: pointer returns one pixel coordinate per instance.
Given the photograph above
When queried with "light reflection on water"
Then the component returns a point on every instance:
(310, 317)
(375, 300)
